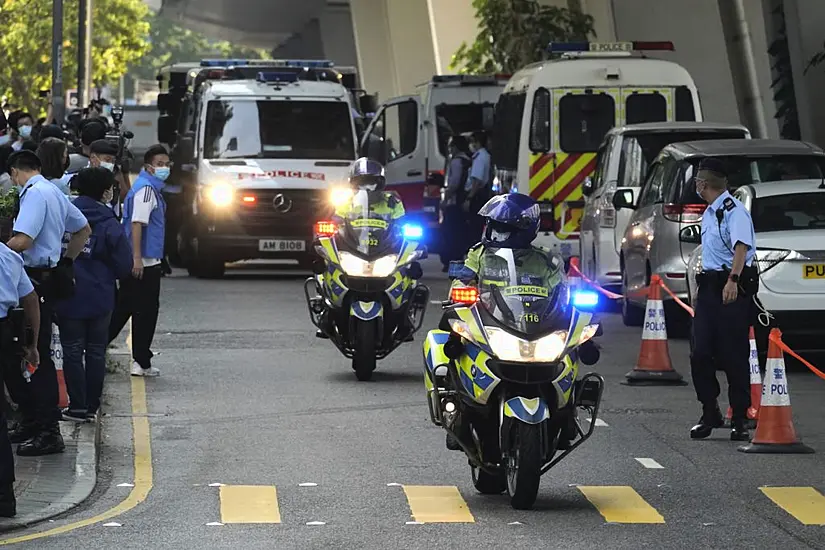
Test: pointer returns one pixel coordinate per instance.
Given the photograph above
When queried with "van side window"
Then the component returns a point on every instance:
(684, 104)
(671, 184)
(652, 192)
(507, 130)
(584, 120)
(540, 122)
(642, 108)
(400, 123)
(603, 161)
(632, 164)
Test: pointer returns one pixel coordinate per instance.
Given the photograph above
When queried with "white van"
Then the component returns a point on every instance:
(553, 116)
(409, 135)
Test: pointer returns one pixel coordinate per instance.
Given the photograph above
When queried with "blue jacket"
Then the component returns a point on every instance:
(106, 256)
(152, 237)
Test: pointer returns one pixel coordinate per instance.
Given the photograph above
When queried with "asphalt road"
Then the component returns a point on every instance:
(249, 399)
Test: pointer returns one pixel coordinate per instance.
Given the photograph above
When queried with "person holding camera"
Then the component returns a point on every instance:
(15, 289)
(727, 284)
(45, 214)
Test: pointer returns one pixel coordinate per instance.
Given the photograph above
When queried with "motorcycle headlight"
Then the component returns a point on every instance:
(511, 348)
(340, 195)
(220, 194)
(356, 267)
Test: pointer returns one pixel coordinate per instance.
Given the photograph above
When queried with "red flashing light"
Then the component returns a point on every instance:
(249, 199)
(464, 295)
(215, 73)
(666, 46)
(325, 228)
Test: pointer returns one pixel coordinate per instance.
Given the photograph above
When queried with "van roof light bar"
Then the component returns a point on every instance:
(609, 47)
(276, 77)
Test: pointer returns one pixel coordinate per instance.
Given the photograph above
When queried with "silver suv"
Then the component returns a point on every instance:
(668, 202)
(621, 164)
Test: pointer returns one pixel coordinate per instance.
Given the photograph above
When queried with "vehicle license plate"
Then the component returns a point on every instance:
(280, 245)
(813, 271)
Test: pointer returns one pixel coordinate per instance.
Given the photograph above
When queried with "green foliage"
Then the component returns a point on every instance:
(171, 43)
(7, 201)
(119, 38)
(515, 33)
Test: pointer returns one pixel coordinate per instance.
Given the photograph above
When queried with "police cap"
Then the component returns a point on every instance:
(25, 158)
(714, 165)
(103, 147)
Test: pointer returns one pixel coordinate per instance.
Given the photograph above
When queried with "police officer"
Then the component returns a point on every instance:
(45, 215)
(15, 289)
(726, 285)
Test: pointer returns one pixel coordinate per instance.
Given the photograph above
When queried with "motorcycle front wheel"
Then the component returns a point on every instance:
(363, 360)
(523, 465)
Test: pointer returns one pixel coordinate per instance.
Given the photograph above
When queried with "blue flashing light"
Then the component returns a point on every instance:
(585, 299)
(413, 231)
(277, 77)
(309, 63)
(224, 62)
(560, 47)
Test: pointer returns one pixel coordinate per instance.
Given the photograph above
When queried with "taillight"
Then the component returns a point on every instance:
(464, 295)
(684, 213)
(547, 222)
(608, 213)
(768, 258)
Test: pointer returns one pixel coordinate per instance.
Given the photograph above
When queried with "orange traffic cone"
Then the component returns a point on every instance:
(775, 432)
(653, 366)
(56, 350)
(574, 273)
(756, 386)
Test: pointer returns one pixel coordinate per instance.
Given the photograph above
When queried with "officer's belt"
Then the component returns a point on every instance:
(40, 274)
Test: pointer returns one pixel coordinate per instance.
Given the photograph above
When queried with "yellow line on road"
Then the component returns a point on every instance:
(142, 468)
(249, 504)
(621, 504)
(437, 504)
(804, 503)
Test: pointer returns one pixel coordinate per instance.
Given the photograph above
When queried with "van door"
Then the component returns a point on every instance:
(581, 119)
(641, 105)
(393, 139)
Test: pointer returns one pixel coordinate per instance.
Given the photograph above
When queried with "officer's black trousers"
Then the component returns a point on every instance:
(6, 454)
(720, 341)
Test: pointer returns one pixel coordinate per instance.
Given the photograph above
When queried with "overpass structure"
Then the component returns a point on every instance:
(397, 44)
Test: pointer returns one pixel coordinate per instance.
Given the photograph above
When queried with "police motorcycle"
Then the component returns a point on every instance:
(502, 369)
(365, 296)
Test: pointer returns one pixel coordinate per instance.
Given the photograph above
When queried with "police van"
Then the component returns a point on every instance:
(553, 116)
(409, 135)
(257, 144)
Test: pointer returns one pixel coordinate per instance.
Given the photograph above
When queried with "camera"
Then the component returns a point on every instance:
(119, 137)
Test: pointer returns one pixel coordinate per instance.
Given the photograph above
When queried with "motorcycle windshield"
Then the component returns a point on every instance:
(524, 294)
(368, 227)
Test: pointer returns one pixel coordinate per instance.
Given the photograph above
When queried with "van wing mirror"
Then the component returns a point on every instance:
(623, 198)
(588, 187)
(186, 149)
(691, 234)
(368, 103)
(166, 129)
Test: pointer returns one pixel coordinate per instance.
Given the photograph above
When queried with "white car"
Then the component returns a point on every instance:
(789, 219)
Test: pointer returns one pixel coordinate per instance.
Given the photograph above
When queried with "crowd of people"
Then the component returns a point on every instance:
(85, 255)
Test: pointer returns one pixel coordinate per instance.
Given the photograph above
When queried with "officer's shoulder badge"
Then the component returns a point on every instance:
(728, 204)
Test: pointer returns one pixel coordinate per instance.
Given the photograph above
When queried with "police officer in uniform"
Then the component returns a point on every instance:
(45, 215)
(15, 289)
(727, 283)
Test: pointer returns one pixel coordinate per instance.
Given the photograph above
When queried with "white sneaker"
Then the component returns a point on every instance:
(137, 370)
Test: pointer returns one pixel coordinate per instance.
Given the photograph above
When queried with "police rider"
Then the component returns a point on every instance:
(723, 305)
(15, 289)
(368, 175)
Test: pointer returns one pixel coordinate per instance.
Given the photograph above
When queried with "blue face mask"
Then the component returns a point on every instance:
(25, 131)
(4, 139)
(162, 172)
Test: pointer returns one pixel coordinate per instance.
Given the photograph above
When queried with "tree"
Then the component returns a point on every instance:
(515, 33)
(119, 38)
(171, 43)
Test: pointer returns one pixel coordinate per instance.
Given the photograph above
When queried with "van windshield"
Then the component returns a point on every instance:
(461, 119)
(789, 212)
(639, 150)
(507, 132)
(279, 129)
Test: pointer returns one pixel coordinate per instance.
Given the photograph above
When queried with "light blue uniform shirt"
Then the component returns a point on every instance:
(480, 169)
(14, 283)
(719, 239)
(45, 215)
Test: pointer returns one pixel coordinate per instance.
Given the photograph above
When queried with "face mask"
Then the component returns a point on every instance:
(108, 166)
(162, 172)
(25, 131)
(4, 139)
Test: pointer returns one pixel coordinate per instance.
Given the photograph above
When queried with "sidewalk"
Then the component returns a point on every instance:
(51, 485)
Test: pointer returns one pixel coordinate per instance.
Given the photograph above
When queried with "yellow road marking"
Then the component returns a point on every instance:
(143, 467)
(249, 504)
(621, 504)
(437, 504)
(804, 503)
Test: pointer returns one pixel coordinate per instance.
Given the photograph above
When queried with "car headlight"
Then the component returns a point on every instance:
(356, 267)
(339, 196)
(511, 348)
(220, 194)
